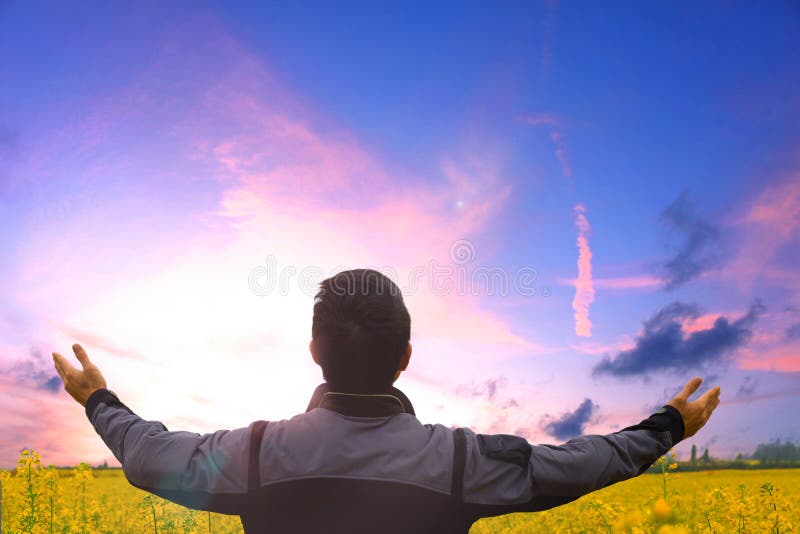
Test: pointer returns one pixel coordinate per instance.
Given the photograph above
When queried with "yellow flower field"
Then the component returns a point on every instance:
(36, 499)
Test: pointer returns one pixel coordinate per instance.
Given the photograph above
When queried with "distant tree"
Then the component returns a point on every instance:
(789, 452)
(694, 454)
(706, 459)
(777, 452)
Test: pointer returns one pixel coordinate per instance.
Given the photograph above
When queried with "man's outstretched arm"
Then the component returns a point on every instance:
(592, 462)
(204, 472)
(507, 471)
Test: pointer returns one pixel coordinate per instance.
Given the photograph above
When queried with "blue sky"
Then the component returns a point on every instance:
(635, 156)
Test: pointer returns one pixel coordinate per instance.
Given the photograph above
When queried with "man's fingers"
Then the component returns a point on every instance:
(709, 396)
(81, 355)
(710, 401)
(57, 364)
(63, 367)
(714, 401)
(689, 388)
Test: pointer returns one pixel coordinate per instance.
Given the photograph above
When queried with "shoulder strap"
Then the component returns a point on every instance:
(459, 459)
(254, 469)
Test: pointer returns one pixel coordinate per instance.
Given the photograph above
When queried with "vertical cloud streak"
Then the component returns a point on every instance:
(584, 292)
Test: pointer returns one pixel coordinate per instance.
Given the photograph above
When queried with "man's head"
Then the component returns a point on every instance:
(360, 331)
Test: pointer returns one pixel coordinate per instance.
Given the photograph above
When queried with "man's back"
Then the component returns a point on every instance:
(355, 463)
(364, 463)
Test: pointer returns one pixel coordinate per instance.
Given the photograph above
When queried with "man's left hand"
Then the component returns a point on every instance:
(79, 383)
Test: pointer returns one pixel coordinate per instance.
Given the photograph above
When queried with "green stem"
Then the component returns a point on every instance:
(155, 523)
(32, 498)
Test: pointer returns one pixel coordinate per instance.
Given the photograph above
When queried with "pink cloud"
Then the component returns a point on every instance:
(703, 322)
(784, 357)
(602, 349)
(51, 424)
(628, 282)
(770, 222)
(778, 207)
(584, 291)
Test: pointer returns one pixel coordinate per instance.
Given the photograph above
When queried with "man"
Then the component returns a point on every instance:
(358, 460)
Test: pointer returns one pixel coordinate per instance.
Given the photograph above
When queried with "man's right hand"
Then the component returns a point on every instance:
(696, 413)
(79, 383)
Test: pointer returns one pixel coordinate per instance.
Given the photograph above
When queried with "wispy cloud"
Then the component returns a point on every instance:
(544, 119)
(664, 345)
(570, 424)
(549, 25)
(487, 388)
(602, 349)
(561, 154)
(763, 396)
(793, 332)
(35, 372)
(619, 283)
(784, 358)
(584, 291)
(777, 210)
(554, 124)
(91, 340)
(629, 282)
(699, 250)
(747, 388)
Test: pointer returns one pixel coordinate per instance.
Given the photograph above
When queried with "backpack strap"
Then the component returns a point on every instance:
(459, 460)
(254, 469)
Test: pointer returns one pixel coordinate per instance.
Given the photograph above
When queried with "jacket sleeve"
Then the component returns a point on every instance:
(204, 472)
(505, 473)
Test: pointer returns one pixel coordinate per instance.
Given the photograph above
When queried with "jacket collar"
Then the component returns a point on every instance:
(392, 402)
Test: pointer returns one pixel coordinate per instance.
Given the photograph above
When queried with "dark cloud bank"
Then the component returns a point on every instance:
(663, 346)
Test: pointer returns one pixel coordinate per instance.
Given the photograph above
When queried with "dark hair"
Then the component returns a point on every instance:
(361, 329)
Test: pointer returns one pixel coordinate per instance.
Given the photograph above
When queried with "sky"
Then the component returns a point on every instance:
(584, 205)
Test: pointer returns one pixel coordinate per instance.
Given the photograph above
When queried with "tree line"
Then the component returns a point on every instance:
(773, 454)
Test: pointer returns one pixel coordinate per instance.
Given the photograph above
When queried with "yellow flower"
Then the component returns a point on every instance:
(626, 522)
(661, 510)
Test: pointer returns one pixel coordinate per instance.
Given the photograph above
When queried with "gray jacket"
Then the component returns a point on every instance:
(365, 463)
